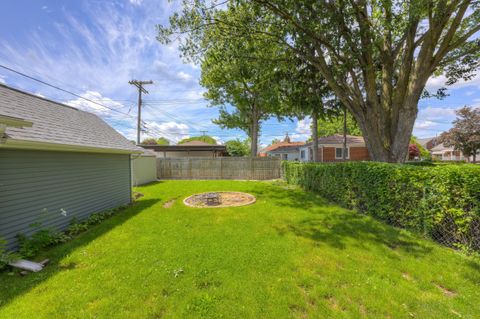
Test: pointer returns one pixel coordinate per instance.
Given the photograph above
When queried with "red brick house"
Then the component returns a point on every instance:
(330, 149)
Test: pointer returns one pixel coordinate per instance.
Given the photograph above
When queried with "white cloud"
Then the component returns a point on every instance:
(184, 76)
(437, 114)
(425, 125)
(96, 105)
(431, 121)
(172, 131)
(2, 79)
(302, 130)
(219, 140)
(136, 2)
(434, 83)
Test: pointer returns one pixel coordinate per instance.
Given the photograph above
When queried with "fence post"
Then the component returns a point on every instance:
(251, 167)
(221, 168)
(189, 168)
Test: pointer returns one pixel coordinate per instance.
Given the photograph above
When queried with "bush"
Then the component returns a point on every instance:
(442, 202)
(6, 256)
(45, 237)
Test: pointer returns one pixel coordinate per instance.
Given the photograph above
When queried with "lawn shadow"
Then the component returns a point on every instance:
(289, 196)
(338, 227)
(342, 228)
(13, 286)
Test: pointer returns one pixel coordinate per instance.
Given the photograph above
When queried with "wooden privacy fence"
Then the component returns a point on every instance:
(218, 168)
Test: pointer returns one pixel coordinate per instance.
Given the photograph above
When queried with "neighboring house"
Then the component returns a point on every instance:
(443, 153)
(144, 168)
(428, 143)
(57, 163)
(286, 150)
(189, 149)
(330, 149)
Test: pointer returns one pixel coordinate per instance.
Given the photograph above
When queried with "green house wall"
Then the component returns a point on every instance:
(77, 183)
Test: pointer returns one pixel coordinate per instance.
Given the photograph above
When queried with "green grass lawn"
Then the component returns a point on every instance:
(289, 255)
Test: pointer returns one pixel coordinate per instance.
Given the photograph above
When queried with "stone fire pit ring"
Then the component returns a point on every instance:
(219, 199)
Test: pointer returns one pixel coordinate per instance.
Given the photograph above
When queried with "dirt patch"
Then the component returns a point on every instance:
(447, 292)
(406, 276)
(169, 204)
(137, 195)
(219, 199)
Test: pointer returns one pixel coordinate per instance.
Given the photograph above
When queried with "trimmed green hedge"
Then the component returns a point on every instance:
(442, 202)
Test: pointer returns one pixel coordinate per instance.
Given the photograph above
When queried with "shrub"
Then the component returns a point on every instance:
(44, 237)
(442, 202)
(6, 256)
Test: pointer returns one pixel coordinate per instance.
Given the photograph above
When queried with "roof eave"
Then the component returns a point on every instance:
(10, 143)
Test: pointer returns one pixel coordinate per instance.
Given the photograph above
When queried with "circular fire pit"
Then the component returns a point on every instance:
(219, 199)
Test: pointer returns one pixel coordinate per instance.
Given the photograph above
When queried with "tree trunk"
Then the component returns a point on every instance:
(387, 142)
(344, 152)
(254, 131)
(474, 157)
(315, 136)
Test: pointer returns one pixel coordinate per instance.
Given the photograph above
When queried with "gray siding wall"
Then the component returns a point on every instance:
(79, 183)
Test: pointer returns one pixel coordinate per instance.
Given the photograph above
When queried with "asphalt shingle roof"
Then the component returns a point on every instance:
(338, 139)
(58, 123)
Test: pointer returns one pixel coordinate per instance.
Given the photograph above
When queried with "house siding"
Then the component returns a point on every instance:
(79, 183)
(328, 154)
(356, 153)
(144, 170)
(359, 154)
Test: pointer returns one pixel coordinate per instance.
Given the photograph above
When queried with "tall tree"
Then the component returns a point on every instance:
(334, 125)
(238, 78)
(376, 56)
(465, 133)
(304, 93)
(201, 138)
(163, 141)
(238, 148)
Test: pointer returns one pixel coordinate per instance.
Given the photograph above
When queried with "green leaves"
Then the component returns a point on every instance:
(441, 202)
(238, 147)
(203, 138)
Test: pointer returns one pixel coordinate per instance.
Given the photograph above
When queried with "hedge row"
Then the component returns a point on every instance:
(442, 202)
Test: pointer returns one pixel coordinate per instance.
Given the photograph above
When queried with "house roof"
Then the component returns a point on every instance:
(195, 143)
(185, 148)
(440, 148)
(281, 145)
(338, 139)
(58, 124)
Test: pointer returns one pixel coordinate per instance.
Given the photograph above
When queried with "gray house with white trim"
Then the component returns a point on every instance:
(59, 159)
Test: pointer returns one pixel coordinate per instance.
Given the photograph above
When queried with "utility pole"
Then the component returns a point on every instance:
(139, 85)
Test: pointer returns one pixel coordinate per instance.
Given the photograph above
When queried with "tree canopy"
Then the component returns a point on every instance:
(201, 138)
(238, 148)
(334, 125)
(239, 79)
(375, 56)
(158, 141)
(465, 133)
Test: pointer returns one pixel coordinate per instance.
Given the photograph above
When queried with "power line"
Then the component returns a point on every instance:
(60, 89)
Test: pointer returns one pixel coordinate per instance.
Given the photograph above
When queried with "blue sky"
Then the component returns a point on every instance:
(94, 48)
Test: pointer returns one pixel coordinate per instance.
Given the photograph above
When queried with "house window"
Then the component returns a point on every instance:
(284, 157)
(302, 154)
(339, 153)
